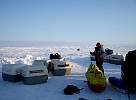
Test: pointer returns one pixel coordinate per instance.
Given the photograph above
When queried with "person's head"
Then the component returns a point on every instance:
(98, 44)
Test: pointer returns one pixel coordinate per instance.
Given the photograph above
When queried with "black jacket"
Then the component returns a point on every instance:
(128, 70)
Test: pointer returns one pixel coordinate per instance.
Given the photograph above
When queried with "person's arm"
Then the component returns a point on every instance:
(92, 53)
(102, 53)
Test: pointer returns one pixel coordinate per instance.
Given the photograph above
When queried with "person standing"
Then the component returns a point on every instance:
(127, 80)
(99, 55)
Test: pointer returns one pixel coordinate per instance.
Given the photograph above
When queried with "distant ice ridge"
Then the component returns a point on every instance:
(26, 55)
(16, 60)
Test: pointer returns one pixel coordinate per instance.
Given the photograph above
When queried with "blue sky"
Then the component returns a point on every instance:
(68, 20)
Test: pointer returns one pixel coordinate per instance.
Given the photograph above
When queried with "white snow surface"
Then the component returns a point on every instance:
(53, 88)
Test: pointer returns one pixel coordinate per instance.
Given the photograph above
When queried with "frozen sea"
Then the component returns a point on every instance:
(27, 52)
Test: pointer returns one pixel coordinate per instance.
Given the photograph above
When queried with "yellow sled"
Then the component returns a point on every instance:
(96, 78)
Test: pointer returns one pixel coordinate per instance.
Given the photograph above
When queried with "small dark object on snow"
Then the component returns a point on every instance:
(55, 56)
(108, 51)
(71, 89)
(108, 99)
(78, 49)
(82, 99)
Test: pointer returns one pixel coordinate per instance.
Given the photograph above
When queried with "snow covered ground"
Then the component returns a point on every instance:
(53, 89)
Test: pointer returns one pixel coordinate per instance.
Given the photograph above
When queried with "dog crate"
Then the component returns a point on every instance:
(116, 59)
(34, 74)
(39, 63)
(60, 67)
(11, 72)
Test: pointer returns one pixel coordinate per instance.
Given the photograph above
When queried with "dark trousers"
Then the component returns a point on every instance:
(99, 64)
